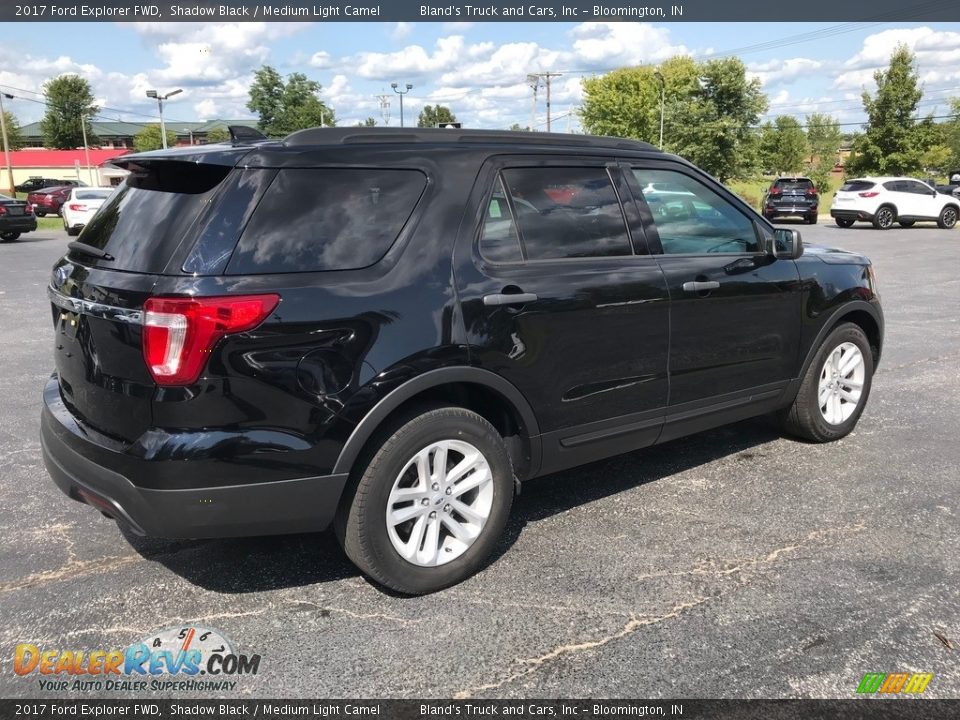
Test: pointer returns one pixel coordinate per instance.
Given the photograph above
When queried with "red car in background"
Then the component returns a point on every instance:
(49, 200)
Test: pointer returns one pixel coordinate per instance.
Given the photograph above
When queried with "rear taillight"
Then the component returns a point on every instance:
(774, 191)
(180, 333)
(28, 209)
(869, 193)
(811, 192)
(3, 210)
(77, 207)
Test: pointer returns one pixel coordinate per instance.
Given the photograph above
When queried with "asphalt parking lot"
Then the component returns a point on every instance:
(734, 563)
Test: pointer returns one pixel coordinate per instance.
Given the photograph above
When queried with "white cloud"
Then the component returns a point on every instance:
(401, 30)
(784, 71)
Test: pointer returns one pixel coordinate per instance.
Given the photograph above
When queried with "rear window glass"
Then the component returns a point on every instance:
(327, 219)
(856, 186)
(92, 194)
(149, 215)
(798, 184)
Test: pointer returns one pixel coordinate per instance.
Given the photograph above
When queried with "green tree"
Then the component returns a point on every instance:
(150, 139)
(286, 106)
(69, 102)
(709, 110)
(891, 143)
(14, 137)
(517, 127)
(434, 115)
(218, 135)
(783, 145)
(823, 138)
(937, 160)
(369, 122)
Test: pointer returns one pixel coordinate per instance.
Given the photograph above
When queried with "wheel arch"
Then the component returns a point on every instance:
(484, 392)
(862, 314)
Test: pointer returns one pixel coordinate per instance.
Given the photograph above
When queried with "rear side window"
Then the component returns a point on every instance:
(567, 213)
(499, 241)
(326, 219)
(856, 186)
(150, 213)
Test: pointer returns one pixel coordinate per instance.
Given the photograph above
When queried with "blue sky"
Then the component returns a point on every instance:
(478, 69)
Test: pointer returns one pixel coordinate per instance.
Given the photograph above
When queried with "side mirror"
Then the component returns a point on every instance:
(786, 243)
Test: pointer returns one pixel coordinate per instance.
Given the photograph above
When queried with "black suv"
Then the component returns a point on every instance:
(389, 331)
(792, 196)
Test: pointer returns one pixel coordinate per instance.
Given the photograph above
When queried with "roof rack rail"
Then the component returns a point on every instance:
(352, 136)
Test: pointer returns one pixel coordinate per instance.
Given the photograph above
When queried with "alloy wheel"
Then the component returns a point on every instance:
(439, 503)
(841, 383)
(885, 217)
(949, 217)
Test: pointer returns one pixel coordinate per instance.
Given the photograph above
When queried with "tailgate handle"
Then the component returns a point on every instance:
(700, 286)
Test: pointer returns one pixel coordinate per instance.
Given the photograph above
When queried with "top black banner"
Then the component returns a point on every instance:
(478, 11)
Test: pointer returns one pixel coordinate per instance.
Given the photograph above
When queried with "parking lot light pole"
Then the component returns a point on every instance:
(6, 144)
(160, 98)
(401, 93)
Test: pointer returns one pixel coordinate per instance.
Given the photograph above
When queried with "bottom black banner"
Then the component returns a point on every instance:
(478, 709)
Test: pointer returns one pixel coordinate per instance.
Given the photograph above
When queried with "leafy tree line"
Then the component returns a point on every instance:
(711, 114)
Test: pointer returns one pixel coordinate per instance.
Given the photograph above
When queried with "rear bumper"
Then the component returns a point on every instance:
(265, 508)
(787, 210)
(850, 214)
(18, 223)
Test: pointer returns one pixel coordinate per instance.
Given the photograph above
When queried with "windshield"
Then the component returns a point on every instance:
(92, 194)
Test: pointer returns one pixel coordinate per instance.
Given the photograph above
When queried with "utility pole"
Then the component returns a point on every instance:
(401, 93)
(6, 144)
(534, 82)
(546, 77)
(86, 148)
(384, 101)
(663, 90)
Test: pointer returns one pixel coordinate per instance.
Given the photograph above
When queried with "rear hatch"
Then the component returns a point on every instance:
(798, 193)
(851, 191)
(97, 291)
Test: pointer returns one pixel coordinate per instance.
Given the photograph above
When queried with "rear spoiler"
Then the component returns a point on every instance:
(243, 134)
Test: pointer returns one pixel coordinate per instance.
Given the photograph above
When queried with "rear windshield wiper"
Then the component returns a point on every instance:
(84, 249)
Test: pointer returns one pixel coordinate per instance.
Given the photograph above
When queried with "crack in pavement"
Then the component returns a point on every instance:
(356, 615)
(73, 567)
(632, 625)
(637, 622)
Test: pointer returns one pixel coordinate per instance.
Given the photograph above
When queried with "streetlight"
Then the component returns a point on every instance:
(160, 99)
(6, 144)
(659, 76)
(401, 93)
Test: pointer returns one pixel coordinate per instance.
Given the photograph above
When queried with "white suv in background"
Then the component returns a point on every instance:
(886, 200)
(80, 206)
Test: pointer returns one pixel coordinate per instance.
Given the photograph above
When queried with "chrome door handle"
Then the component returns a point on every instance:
(509, 298)
(698, 286)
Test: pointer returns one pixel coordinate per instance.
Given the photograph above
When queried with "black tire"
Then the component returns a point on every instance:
(360, 525)
(9, 236)
(907, 223)
(811, 220)
(885, 217)
(804, 418)
(39, 213)
(72, 231)
(948, 218)
(844, 222)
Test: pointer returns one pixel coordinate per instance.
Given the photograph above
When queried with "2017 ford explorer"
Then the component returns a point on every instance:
(389, 331)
